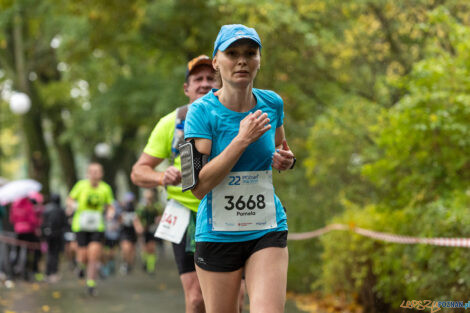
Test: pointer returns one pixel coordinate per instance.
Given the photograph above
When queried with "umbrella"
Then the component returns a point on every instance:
(18, 189)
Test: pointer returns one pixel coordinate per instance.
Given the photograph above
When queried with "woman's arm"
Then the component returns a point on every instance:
(251, 128)
(279, 137)
(283, 158)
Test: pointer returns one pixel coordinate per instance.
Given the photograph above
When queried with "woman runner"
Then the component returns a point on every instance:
(241, 223)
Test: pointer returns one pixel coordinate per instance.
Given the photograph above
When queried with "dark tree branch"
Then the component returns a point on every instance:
(394, 45)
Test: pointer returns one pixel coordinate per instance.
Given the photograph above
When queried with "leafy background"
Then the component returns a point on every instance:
(377, 111)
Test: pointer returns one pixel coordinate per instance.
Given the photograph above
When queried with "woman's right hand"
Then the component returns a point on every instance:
(253, 126)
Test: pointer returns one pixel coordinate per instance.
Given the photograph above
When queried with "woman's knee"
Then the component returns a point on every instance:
(266, 305)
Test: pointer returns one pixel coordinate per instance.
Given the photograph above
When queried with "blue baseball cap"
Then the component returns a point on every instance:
(228, 34)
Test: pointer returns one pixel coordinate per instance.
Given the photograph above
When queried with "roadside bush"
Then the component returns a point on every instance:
(384, 274)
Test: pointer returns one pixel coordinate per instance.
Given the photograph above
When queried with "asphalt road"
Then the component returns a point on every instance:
(134, 293)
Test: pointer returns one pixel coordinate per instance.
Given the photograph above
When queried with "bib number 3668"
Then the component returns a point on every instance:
(244, 201)
(251, 202)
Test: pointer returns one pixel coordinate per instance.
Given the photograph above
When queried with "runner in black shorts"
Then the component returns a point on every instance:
(130, 226)
(90, 198)
(111, 242)
(241, 224)
(149, 215)
(84, 238)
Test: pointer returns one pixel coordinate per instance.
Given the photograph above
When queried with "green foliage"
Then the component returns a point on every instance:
(376, 110)
(419, 168)
(426, 141)
(339, 145)
(394, 272)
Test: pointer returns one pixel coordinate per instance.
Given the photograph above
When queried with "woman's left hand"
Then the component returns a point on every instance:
(283, 158)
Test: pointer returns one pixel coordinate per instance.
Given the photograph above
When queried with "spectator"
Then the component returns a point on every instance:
(2, 214)
(3, 250)
(25, 222)
(53, 229)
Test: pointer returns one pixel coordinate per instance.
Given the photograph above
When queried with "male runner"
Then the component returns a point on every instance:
(149, 217)
(90, 198)
(200, 79)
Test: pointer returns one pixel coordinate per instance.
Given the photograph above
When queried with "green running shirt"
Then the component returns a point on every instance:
(159, 146)
(90, 199)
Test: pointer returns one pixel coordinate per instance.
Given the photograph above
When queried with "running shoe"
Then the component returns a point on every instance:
(91, 287)
(81, 273)
(92, 292)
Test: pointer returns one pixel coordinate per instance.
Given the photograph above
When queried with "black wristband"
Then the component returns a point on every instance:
(293, 164)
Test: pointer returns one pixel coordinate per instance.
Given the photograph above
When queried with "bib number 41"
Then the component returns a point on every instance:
(241, 204)
(169, 218)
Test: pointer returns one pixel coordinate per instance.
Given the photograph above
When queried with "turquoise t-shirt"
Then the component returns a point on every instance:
(210, 119)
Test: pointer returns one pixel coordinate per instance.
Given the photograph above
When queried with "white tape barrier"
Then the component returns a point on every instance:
(20, 243)
(446, 242)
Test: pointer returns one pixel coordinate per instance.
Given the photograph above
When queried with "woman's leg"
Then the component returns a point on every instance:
(220, 290)
(266, 280)
(241, 296)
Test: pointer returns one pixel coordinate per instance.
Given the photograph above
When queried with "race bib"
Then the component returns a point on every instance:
(90, 220)
(174, 222)
(128, 218)
(244, 201)
(70, 236)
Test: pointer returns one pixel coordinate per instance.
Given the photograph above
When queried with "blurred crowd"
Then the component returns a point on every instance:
(36, 236)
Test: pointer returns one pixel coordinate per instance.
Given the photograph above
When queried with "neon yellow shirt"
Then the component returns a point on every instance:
(159, 146)
(90, 199)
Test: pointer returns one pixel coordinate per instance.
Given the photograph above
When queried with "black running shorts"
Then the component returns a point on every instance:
(231, 256)
(85, 237)
(128, 234)
(110, 243)
(184, 260)
(149, 236)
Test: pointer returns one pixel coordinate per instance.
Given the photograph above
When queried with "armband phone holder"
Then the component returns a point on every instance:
(192, 162)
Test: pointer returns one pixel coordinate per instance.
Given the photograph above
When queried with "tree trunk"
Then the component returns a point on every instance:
(129, 157)
(110, 168)
(37, 154)
(64, 150)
